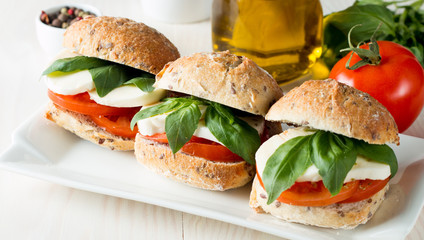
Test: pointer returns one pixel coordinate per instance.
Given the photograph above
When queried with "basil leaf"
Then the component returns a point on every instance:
(378, 153)
(181, 124)
(75, 63)
(188, 100)
(145, 84)
(161, 108)
(238, 136)
(334, 155)
(285, 165)
(223, 111)
(107, 78)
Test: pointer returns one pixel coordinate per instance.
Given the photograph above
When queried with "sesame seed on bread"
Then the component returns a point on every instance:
(332, 106)
(337, 215)
(82, 126)
(224, 78)
(196, 171)
(121, 40)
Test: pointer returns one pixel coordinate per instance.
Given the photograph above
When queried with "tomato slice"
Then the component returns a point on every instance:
(158, 137)
(314, 194)
(366, 189)
(118, 125)
(81, 103)
(201, 147)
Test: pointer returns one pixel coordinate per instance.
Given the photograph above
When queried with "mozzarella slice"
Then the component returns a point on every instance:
(363, 168)
(128, 96)
(81, 81)
(69, 83)
(156, 124)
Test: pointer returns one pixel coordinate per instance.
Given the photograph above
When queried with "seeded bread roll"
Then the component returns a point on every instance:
(344, 216)
(332, 106)
(84, 127)
(195, 171)
(222, 77)
(121, 40)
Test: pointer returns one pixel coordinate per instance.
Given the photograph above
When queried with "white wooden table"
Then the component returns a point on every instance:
(35, 209)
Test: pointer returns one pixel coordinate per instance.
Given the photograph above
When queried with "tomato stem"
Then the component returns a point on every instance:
(369, 56)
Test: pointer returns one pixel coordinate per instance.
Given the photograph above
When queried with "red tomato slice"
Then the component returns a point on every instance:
(81, 103)
(118, 125)
(366, 189)
(201, 147)
(314, 194)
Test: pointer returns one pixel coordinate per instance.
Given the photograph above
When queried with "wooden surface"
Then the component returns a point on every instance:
(35, 209)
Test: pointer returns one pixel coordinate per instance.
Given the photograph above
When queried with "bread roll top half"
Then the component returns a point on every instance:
(221, 77)
(332, 106)
(121, 40)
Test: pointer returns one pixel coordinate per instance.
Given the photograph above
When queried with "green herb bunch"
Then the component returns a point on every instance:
(402, 22)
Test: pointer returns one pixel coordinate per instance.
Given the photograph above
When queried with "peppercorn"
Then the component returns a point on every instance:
(64, 17)
(64, 10)
(57, 23)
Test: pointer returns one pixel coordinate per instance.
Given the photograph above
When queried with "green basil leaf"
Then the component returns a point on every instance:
(75, 63)
(188, 100)
(145, 84)
(285, 165)
(378, 153)
(161, 108)
(238, 136)
(181, 124)
(107, 78)
(224, 112)
(334, 155)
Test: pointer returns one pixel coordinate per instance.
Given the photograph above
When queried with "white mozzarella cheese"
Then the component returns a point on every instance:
(363, 168)
(156, 124)
(81, 81)
(128, 96)
(69, 83)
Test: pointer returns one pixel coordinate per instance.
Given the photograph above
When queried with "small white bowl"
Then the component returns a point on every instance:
(177, 11)
(51, 38)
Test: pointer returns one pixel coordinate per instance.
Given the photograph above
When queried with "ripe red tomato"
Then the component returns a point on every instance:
(112, 119)
(118, 124)
(201, 147)
(367, 188)
(397, 82)
(315, 194)
(81, 103)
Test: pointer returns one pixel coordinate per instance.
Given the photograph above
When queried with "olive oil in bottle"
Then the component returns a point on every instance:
(282, 36)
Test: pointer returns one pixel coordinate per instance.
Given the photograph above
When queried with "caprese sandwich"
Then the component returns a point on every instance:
(208, 135)
(333, 170)
(104, 76)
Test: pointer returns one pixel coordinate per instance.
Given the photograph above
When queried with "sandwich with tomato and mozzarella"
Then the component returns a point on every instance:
(104, 76)
(207, 134)
(333, 169)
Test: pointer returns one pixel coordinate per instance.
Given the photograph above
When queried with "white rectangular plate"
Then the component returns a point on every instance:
(43, 150)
